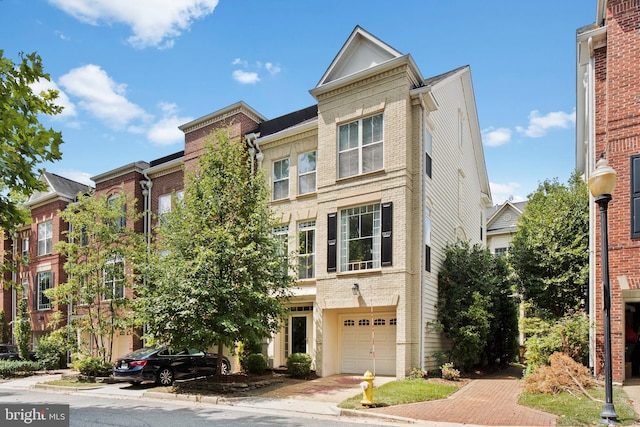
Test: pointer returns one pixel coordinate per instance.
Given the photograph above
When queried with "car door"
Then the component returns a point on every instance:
(178, 360)
(203, 363)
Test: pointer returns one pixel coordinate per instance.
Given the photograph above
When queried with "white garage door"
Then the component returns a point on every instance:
(357, 344)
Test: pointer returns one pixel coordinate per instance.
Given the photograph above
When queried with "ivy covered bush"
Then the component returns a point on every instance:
(299, 365)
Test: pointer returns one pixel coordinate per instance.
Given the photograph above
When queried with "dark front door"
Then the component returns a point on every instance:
(299, 334)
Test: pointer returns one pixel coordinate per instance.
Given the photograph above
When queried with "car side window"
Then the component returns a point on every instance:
(195, 352)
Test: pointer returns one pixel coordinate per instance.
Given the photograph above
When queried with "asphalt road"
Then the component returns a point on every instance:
(94, 411)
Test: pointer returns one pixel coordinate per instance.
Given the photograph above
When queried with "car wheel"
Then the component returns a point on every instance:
(165, 377)
(225, 369)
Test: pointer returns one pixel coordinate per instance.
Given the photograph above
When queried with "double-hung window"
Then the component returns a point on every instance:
(427, 239)
(114, 279)
(360, 146)
(45, 281)
(307, 172)
(281, 179)
(164, 206)
(119, 201)
(282, 236)
(360, 238)
(25, 288)
(45, 237)
(25, 249)
(306, 249)
(428, 148)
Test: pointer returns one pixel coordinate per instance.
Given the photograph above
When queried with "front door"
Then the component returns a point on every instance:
(298, 334)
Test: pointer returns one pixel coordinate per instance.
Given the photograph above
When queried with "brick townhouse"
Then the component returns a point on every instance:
(608, 123)
(370, 184)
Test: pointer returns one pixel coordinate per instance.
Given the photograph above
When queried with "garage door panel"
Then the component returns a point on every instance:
(357, 348)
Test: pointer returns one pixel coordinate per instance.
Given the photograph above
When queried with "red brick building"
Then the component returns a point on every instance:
(608, 123)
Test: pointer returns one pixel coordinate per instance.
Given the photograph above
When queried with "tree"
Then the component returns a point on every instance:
(476, 310)
(101, 257)
(219, 275)
(550, 250)
(24, 141)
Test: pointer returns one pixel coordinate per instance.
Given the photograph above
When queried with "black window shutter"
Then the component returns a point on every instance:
(387, 228)
(35, 291)
(635, 197)
(332, 235)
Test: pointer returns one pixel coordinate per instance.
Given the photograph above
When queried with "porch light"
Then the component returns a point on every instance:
(603, 179)
(355, 289)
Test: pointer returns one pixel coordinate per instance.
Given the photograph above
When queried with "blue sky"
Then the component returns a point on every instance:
(131, 71)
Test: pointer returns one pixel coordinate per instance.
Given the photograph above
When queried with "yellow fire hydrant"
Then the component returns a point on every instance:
(367, 389)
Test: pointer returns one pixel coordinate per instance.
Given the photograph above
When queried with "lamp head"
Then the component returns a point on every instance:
(603, 179)
(355, 289)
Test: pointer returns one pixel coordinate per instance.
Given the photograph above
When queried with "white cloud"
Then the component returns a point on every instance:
(495, 137)
(245, 77)
(165, 131)
(239, 61)
(539, 125)
(271, 68)
(503, 192)
(101, 96)
(152, 22)
(77, 176)
(43, 85)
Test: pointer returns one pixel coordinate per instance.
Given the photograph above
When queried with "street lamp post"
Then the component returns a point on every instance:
(601, 185)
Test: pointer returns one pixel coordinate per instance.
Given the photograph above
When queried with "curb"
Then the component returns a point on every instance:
(184, 397)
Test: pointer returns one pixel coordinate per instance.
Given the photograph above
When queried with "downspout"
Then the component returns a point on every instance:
(422, 252)
(589, 162)
(146, 192)
(254, 150)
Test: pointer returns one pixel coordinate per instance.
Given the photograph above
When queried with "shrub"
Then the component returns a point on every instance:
(449, 372)
(51, 351)
(256, 363)
(417, 374)
(299, 365)
(247, 348)
(569, 335)
(92, 367)
(11, 368)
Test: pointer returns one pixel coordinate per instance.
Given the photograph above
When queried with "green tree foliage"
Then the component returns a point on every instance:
(475, 306)
(218, 275)
(24, 141)
(101, 255)
(22, 330)
(550, 250)
(6, 331)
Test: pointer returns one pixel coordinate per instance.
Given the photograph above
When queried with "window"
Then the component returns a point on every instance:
(360, 238)
(45, 280)
(364, 322)
(25, 288)
(307, 172)
(427, 239)
(45, 237)
(281, 179)
(360, 146)
(635, 197)
(164, 206)
(306, 250)
(428, 148)
(114, 279)
(500, 251)
(117, 200)
(282, 235)
(25, 249)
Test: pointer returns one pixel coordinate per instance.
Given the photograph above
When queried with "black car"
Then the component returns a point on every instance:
(9, 352)
(164, 365)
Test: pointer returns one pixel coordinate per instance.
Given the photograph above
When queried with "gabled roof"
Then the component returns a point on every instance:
(289, 120)
(506, 224)
(57, 187)
(362, 50)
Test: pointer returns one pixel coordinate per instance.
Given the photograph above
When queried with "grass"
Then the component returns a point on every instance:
(74, 383)
(404, 391)
(578, 410)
